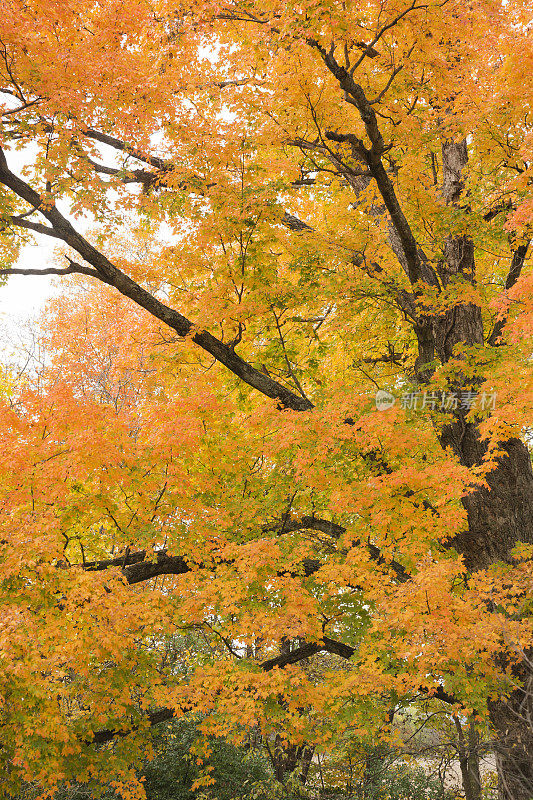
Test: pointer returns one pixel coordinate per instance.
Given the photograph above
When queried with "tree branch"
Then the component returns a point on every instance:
(354, 94)
(517, 262)
(143, 176)
(153, 718)
(118, 144)
(336, 531)
(21, 222)
(110, 274)
(136, 568)
(295, 224)
(73, 269)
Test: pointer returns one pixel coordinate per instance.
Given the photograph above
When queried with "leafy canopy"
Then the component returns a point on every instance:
(262, 205)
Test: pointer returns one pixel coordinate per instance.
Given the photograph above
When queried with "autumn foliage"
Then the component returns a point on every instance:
(264, 214)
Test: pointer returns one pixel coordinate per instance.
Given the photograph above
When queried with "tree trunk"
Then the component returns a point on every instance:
(468, 749)
(502, 514)
(499, 515)
(512, 719)
(287, 758)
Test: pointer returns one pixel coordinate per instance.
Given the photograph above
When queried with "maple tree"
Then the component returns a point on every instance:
(306, 204)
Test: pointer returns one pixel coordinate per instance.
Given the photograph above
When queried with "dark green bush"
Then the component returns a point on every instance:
(173, 770)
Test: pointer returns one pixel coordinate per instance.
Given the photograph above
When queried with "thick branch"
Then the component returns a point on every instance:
(355, 95)
(153, 718)
(517, 262)
(306, 650)
(346, 651)
(336, 531)
(73, 269)
(143, 176)
(294, 223)
(109, 273)
(118, 144)
(136, 568)
(21, 222)
(359, 178)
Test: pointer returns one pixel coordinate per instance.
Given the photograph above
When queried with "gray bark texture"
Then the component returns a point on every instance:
(498, 516)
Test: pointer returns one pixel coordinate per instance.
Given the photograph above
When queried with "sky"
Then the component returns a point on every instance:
(23, 297)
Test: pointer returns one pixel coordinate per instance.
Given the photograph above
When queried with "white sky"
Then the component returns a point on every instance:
(24, 296)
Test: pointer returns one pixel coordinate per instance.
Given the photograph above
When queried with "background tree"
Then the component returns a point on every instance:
(172, 768)
(310, 203)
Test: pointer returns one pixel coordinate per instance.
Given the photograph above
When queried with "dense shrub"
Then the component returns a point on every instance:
(171, 774)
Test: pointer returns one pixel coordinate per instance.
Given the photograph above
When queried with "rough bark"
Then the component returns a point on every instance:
(512, 720)
(289, 759)
(468, 751)
(500, 514)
